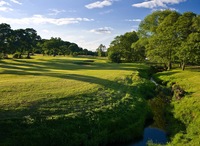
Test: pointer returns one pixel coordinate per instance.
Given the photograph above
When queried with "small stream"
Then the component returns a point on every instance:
(154, 135)
(155, 132)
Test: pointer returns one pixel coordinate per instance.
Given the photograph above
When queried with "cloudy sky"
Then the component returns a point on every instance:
(88, 23)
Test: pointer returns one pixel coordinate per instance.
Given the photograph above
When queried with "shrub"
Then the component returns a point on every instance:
(114, 57)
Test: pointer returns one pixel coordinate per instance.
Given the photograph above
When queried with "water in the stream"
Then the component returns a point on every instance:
(154, 135)
(155, 132)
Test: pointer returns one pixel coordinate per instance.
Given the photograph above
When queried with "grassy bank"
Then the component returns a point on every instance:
(186, 111)
(71, 101)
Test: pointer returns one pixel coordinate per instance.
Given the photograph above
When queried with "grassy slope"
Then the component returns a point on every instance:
(186, 110)
(48, 101)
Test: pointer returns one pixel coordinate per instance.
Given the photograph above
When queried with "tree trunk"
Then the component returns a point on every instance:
(28, 55)
(20, 55)
(165, 67)
(169, 65)
(180, 64)
(5, 55)
(183, 66)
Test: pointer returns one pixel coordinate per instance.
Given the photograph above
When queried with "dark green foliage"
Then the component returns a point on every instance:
(26, 41)
(5, 35)
(114, 57)
(122, 45)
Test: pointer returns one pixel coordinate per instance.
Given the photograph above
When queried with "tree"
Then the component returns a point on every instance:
(31, 39)
(189, 52)
(139, 48)
(5, 34)
(25, 40)
(126, 41)
(74, 49)
(162, 45)
(20, 41)
(114, 56)
(122, 45)
(149, 25)
(185, 26)
(52, 46)
(101, 50)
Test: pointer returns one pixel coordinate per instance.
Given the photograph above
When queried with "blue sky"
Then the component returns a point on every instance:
(88, 23)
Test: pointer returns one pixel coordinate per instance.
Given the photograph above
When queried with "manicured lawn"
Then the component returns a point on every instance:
(73, 101)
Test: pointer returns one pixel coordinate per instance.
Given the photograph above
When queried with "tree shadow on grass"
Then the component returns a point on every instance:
(64, 64)
(167, 73)
(87, 119)
(69, 120)
(193, 68)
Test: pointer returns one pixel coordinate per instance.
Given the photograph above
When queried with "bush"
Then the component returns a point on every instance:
(74, 54)
(114, 57)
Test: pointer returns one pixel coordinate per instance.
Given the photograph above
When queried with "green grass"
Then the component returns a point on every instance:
(71, 101)
(186, 110)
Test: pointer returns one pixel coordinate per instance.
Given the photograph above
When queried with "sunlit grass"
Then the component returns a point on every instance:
(32, 80)
(52, 95)
(187, 110)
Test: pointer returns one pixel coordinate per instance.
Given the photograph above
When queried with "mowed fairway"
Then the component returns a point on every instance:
(25, 82)
(36, 94)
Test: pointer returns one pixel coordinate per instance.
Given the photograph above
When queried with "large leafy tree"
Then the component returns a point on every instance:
(53, 45)
(139, 48)
(31, 40)
(114, 51)
(121, 45)
(20, 41)
(189, 52)
(149, 25)
(5, 34)
(185, 29)
(74, 49)
(163, 44)
(25, 40)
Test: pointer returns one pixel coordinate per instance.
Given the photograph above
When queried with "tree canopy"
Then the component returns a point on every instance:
(26, 41)
(164, 37)
(121, 45)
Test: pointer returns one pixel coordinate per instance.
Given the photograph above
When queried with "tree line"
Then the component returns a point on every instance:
(164, 37)
(26, 42)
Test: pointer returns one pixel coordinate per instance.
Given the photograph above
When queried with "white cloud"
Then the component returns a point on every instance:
(16, 2)
(134, 20)
(157, 3)
(103, 30)
(56, 12)
(3, 3)
(4, 6)
(39, 19)
(172, 9)
(99, 4)
(5, 9)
